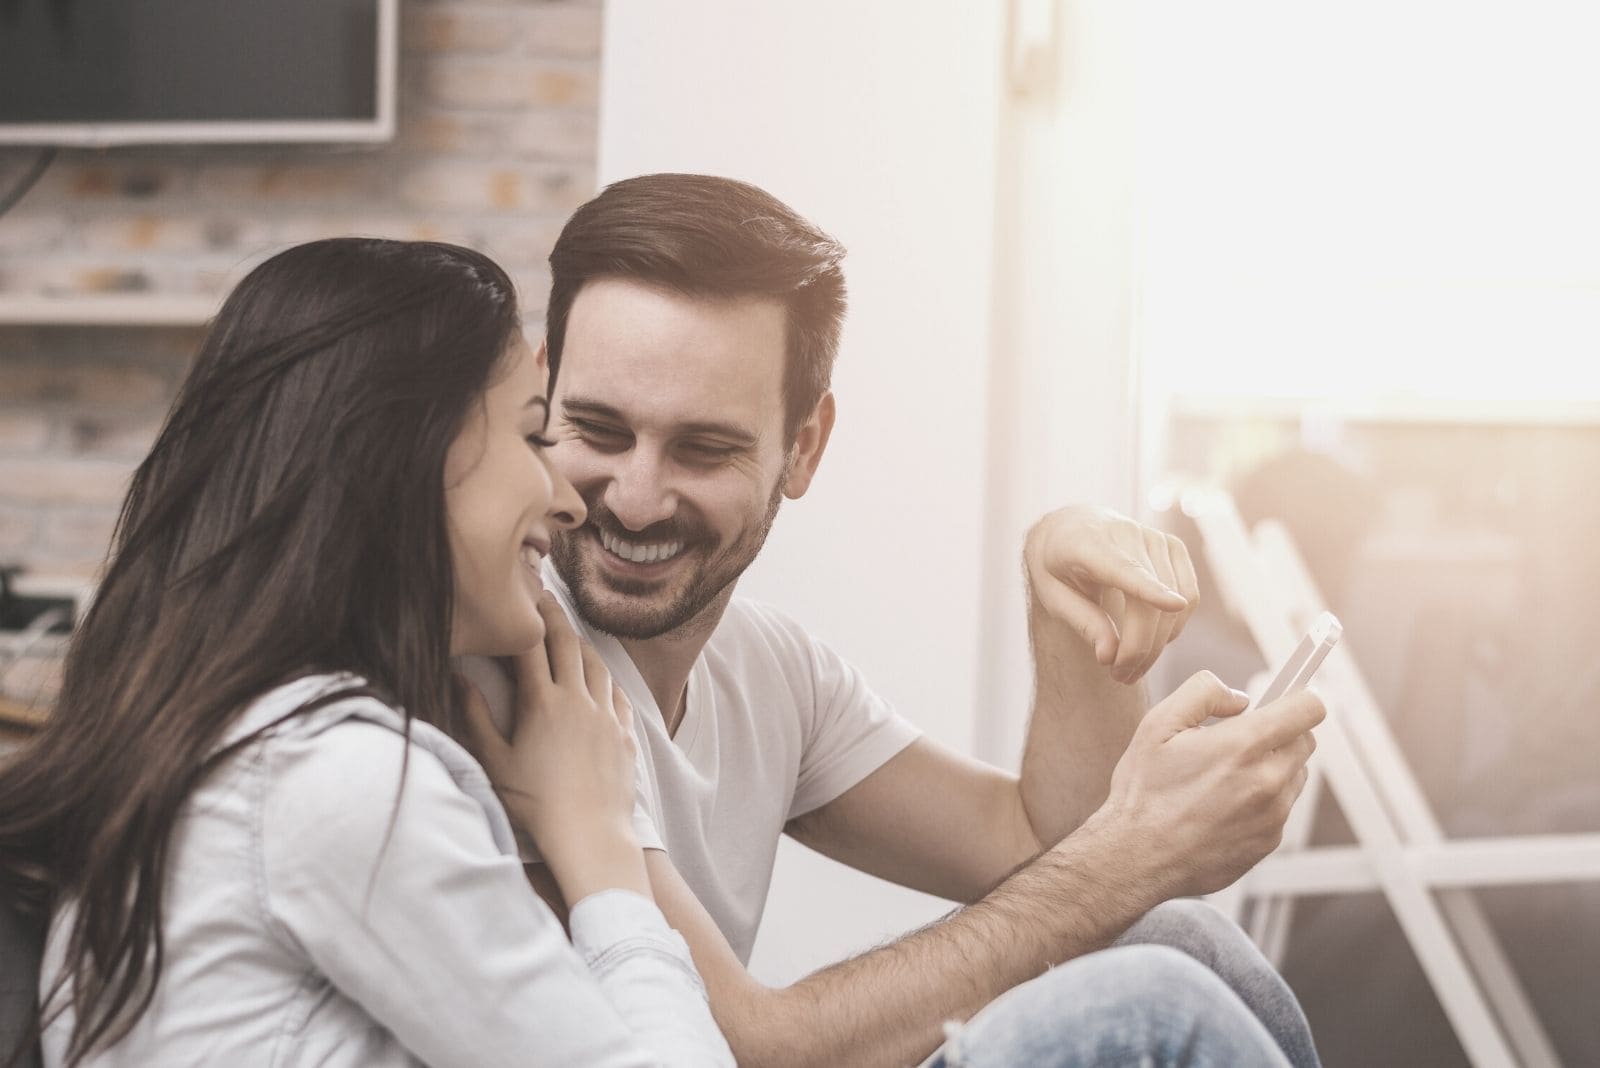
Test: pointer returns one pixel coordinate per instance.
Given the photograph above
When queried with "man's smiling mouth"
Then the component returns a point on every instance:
(639, 552)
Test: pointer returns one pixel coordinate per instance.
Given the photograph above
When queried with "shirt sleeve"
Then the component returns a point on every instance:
(852, 731)
(400, 897)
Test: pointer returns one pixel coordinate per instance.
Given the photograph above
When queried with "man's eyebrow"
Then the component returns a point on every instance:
(578, 406)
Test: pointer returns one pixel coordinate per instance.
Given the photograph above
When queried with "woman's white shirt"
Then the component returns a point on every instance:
(317, 912)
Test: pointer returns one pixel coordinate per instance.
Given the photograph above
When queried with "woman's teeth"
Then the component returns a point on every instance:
(640, 554)
(530, 556)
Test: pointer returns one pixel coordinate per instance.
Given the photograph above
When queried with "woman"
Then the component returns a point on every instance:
(250, 818)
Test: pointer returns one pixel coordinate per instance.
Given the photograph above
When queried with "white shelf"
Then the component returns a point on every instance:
(137, 309)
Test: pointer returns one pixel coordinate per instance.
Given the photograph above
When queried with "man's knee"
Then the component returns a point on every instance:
(1143, 983)
(1190, 926)
(1143, 998)
(1138, 1003)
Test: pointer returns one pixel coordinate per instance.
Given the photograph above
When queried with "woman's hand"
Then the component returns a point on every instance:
(566, 774)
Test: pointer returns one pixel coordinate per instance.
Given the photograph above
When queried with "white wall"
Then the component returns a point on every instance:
(1064, 393)
(878, 121)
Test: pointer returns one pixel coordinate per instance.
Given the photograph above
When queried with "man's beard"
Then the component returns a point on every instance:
(630, 610)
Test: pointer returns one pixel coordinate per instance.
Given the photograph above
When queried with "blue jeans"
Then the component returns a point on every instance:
(1183, 986)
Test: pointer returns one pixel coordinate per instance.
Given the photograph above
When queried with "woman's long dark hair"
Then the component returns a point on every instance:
(289, 519)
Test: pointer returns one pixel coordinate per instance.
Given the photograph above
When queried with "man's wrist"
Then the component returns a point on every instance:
(1123, 860)
(1056, 637)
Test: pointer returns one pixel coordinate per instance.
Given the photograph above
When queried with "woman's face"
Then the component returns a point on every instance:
(503, 501)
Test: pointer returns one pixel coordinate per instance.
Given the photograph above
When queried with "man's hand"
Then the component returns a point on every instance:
(1209, 800)
(1124, 588)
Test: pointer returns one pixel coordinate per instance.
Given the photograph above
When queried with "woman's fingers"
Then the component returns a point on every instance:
(561, 644)
(622, 707)
(562, 660)
(595, 674)
(534, 679)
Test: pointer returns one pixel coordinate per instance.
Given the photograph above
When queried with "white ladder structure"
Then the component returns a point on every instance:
(1401, 851)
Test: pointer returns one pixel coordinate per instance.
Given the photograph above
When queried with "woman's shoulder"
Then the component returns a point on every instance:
(312, 703)
(338, 769)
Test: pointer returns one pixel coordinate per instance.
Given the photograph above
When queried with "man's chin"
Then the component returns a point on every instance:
(623, 616)
(630, 602)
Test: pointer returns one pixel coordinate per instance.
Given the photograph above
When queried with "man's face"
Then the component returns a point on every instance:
(669, 421)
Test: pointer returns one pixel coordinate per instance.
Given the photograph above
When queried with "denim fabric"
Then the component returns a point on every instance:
(1183, 987)
(320, 913)
(1200, 931)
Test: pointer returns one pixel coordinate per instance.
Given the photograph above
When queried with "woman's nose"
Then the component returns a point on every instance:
(567, 509)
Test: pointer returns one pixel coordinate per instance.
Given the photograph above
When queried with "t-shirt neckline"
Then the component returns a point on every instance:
(625, 671)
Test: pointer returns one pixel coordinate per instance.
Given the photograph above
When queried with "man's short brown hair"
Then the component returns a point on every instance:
(710, 237)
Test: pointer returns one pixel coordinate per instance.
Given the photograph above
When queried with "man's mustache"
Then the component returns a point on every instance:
(603, 519)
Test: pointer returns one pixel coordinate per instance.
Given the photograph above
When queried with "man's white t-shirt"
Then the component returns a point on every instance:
(776, 724)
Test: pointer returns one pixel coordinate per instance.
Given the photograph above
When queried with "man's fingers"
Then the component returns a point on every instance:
(1124, 571)
(1202, 696)
(1078, 612)
(1141, 628)
(1297, 786)
(1287, 718)
(561, 643)
(1163, 636)
(1160, 564)
(1186, 581)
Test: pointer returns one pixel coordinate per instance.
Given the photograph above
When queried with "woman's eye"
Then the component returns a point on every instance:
(539, 441)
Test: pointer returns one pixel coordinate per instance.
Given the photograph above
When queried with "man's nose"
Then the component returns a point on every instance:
(640, 492)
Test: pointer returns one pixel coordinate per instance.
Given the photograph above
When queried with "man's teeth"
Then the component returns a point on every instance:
(640, 554)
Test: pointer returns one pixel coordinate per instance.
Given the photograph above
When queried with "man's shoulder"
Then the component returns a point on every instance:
(755, 643)
(757, 638)
(749, 622)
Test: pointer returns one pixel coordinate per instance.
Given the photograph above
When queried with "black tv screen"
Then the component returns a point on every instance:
(108, 71)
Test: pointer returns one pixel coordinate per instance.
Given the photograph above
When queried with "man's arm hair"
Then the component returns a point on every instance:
(888, 1005)
(1080, 725)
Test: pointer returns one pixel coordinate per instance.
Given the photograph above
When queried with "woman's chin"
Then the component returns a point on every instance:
(512, 639)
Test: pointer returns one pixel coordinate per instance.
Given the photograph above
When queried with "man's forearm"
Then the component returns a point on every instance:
(1080, 725)
(887, 1006)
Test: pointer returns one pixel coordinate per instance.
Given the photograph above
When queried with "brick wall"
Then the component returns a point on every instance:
(496, 146)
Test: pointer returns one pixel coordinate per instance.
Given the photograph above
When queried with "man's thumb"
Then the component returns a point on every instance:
(1202, 696)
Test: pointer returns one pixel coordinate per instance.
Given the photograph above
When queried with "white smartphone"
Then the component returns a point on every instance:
(1296, 671)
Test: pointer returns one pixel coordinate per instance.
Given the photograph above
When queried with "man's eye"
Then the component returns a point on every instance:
(706, 452)
(598, 432)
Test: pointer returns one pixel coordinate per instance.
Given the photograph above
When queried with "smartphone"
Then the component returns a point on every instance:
(1304, 661)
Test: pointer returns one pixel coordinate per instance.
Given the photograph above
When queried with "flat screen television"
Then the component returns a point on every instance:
(114, 72)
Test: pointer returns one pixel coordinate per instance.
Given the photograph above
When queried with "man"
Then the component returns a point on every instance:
(695, 321)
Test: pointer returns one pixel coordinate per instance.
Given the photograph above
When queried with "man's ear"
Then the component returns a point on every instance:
(809, 444)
